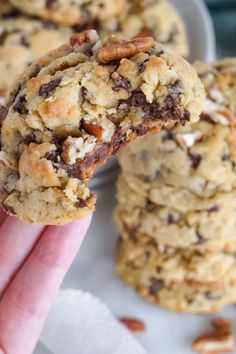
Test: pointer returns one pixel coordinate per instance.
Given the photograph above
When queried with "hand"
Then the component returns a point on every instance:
(33, 263)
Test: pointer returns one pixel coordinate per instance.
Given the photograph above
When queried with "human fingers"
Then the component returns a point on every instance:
(16, 242)
(26, 302)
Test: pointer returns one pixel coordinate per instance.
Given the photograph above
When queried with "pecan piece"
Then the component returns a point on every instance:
(221, 325)
(219, 341)
(93, 129)
(119, 50)
(134, 325)
(89, 36)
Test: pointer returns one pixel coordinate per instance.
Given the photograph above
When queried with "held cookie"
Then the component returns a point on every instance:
(78, 105)
(73, 12)
(22, 41)
(158, 19)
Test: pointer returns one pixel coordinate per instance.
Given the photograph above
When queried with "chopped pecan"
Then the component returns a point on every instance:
(216, 343)
(219, 341)
(134, 325)
(221, 325)
(93, 129)
(89, 36)
(119, 50)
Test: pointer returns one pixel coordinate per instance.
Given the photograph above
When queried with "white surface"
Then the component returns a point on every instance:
(78, 323)
(202, 47)
(93, 270)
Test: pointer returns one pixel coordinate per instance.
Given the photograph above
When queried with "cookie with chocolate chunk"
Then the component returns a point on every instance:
(143, 259)
(192, 297)
(178, 281)
(78, 105)
(202, 157)
(158, 19)
(22, 41)
(175, 217)
(73, 12)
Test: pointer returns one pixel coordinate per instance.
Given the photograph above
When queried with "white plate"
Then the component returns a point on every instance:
(93, 270)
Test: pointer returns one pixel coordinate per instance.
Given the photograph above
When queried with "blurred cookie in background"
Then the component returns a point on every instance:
(73, 12)
(158, 19)
(172, 265)
(173, 217)
(22, 40)
(176, 205)
(180, 281)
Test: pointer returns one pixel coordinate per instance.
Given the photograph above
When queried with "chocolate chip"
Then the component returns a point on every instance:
(49, 3)
(140, 130)
(200, 238)
(121, 82)
(46, 89)
(37, 69)
(155, 286)
(83, 92)
(213, 209)
(211, 296)
(52, 156)
(3, 113)
(81, 203)
(195, 159)
(49, 24)
(170, 219)
(142, 66)
(19, 105)
(28, 139)
(148, 179)
(159, 269)
(167, 136)
(150, 206)
(24, 41)
(154, 111)
(3, 37)
(226, 157)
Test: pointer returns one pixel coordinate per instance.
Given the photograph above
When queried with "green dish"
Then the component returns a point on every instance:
(221, 3)
(225, 28)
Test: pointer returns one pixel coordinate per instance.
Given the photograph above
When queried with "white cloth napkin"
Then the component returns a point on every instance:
(80, 323)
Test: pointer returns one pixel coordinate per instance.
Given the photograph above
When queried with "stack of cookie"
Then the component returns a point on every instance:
(29, 29)
(177, 205)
